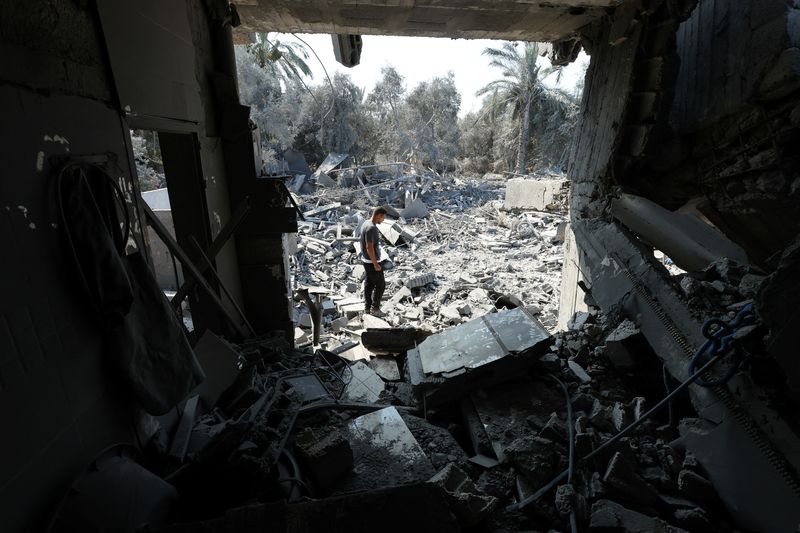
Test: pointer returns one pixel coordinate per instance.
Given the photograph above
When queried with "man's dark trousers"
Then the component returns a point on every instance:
(374, 285)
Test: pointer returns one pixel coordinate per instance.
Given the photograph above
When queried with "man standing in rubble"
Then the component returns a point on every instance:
(374, 283)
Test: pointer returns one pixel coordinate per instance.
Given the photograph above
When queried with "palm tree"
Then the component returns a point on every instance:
(285, 61)
(520, 87)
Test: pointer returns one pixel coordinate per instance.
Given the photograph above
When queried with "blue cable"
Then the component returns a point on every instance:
(720, 343)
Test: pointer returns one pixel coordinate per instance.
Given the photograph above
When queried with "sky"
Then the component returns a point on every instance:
(419, 59)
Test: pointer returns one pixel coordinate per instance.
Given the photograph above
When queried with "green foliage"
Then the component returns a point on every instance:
(540, 118)
(284, 61)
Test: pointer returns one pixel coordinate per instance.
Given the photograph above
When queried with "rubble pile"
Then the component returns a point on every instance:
(460, 410)
(293, 435)
(457, 254)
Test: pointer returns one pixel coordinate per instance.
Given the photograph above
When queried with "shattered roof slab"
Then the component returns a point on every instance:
(481, 341)
(515, 20)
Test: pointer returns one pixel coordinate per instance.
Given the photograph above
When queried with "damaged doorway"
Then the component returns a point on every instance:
(172, 186)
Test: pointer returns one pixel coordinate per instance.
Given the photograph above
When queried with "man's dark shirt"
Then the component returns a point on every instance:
(369, 234)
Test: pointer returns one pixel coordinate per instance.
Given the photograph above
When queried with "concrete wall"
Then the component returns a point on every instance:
(534, 194)
(726, 47)
(58, 404)
(75, 77)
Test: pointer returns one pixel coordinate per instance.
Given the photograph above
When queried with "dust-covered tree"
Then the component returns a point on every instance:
(336, 115)
(385, 104)
(431, 120)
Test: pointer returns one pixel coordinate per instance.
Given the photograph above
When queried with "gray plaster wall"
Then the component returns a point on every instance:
(60, 400)
(726, 47)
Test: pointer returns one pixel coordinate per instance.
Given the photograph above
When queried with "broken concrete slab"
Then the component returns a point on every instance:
(619, 344)
(358, 272)
(364, 384)
(385, 453)
(402, 293)
(488, 349)
(337, 324)
(611, 516)
(482, 341)
(373, 322)
(325, 180)
(386, 368)
(331, 161)
(578, 371)
(534, 194)
(307, 389)
(622, 477)
(326, 454)
(450, 313)
(720, 449)
(466, 502)
(484, 461)
(695, 487)
(417, 209)
(356, 352)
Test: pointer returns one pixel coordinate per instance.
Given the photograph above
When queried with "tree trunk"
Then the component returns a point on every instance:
(524, 136)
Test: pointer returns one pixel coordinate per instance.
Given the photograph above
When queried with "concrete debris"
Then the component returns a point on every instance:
(386, 368)
(385, 453)
(610, 516)
(417, 209)
(622, 477)
(364, 384)
(467, 503)
(537, 194)
(432, 221)
(327, 456)
(420, 280)
(477, 353)
(494, 430)
(619, 344)
(694, 486)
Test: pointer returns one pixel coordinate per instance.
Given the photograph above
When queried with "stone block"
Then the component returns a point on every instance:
(327, 456)
(695, 487)
(465, 500)
(611, 516)
(622, 477)
(533, 194)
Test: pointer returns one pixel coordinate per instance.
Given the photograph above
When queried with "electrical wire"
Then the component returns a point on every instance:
(573, 519)
(624, 432)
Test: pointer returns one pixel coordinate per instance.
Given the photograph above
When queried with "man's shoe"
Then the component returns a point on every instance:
(377, 312)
